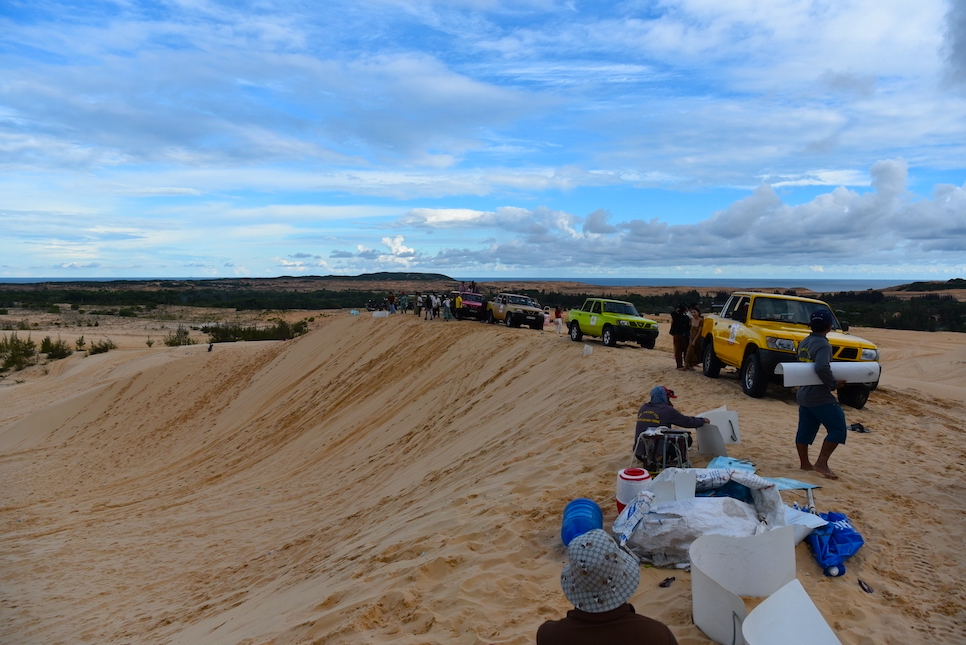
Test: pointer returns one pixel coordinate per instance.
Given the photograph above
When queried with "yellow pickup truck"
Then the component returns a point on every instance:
(754, 332)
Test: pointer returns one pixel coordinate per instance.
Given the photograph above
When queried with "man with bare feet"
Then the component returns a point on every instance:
(816, 403)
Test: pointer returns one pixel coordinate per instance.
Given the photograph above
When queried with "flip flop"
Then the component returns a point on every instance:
(667, 582)
(865, 587)
(858, 427)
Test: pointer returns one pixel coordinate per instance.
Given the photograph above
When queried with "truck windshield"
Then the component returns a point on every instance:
(472, 297)
(790, 311)
(520, 300)
(624, 308)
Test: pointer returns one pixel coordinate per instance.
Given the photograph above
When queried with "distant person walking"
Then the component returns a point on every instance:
(391, 299)
(680, 333)
(419, 304)
(816, 403)
(428, 305)
(558, 318)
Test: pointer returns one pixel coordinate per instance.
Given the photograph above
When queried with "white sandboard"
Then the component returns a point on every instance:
(727, 422)
(795, 374)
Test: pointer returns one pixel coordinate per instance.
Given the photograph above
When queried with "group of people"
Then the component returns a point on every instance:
(686, 321)
(601, 576)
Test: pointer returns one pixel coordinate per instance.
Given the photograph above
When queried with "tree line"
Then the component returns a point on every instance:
(871, 308)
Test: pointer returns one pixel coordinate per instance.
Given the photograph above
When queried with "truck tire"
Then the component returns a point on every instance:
(575, 334)
(489, 317)
(710, 364)
(854, 395)
(508, 320)
(607, 335)
(754, 380)
(648, 343)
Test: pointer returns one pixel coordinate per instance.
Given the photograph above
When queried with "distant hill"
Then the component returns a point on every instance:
(955, 283)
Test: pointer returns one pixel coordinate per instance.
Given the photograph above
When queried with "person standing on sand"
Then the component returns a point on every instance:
(391, 299)
(816, 403)
(447, 309)
(693, 356)
(599, 580)
(680, 333)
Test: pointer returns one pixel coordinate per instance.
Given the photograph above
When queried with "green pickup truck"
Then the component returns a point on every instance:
(612, 321)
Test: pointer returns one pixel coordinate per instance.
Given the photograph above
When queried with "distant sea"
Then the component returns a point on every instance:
(821, 286)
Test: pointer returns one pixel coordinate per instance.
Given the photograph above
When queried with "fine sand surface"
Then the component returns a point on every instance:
(401, 481)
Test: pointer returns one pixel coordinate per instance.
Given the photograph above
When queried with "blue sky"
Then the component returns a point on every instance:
(677, 138)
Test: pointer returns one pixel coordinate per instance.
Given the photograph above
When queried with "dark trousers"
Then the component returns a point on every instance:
(680, 348)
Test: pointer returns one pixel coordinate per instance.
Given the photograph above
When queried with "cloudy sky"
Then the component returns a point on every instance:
(483, 138)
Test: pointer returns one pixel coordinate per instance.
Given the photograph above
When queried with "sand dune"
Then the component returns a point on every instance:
(400, 481)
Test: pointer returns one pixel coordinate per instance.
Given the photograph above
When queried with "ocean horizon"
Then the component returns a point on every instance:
(813, 284)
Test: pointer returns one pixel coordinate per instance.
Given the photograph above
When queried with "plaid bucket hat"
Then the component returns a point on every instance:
(600, 575)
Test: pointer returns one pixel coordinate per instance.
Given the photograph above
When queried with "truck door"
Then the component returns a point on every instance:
(596, 319)
(730, 332)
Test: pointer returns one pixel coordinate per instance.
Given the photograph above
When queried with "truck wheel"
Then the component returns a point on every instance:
(754, 381)
(607, 335)
(575, 333)
(710, 364)
(508, 321)
(648, 343)
(854, 395)
(489, 317)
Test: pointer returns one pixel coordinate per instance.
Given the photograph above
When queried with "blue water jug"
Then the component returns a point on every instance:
(580, 515)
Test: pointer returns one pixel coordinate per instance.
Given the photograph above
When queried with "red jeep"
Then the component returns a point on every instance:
(472, 305)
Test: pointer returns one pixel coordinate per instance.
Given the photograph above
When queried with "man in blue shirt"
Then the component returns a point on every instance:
(816, 403)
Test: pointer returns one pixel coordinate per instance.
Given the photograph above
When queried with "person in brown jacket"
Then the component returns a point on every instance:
(599, 580)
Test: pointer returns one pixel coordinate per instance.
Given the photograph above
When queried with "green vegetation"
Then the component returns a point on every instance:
(16, 353)
(79, 344)
(932, 312)
(55, 350)
(281, 330)
(102, 347)
(955, 283)
(179, 337)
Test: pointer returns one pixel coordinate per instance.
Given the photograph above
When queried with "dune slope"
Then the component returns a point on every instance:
(395, 480)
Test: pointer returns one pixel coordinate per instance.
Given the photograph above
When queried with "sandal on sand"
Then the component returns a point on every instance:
(858, 427)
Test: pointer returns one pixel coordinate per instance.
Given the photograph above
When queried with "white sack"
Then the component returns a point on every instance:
(664, 536)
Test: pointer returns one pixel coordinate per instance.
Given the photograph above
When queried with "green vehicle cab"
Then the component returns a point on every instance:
(611, 321)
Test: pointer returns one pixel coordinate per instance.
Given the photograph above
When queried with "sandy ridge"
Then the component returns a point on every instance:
(401, 481)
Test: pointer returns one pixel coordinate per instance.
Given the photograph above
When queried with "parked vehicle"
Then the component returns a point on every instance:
(755, 332)
(514, 310)
(472, 305)
(612, 321)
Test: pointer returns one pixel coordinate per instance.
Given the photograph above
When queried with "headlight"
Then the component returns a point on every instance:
(781, 344)
(622, 322)
(870, 354)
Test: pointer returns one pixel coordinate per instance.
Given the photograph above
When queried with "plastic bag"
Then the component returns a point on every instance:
(834, 543)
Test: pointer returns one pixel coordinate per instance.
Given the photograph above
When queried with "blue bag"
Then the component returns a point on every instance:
(834, 543)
